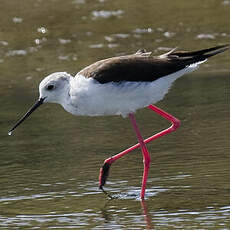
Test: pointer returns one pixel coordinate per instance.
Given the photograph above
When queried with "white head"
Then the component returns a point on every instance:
(54, 88)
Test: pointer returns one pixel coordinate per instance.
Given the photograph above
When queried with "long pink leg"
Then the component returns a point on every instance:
(145, 153)
(104, 171)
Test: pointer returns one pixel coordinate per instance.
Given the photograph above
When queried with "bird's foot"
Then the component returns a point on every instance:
(104, 173)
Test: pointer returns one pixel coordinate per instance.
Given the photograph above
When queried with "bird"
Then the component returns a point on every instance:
(120, 86)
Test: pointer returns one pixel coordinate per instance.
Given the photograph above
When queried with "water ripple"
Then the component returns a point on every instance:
(107, 14)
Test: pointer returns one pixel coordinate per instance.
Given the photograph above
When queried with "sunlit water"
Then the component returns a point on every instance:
(49, 167)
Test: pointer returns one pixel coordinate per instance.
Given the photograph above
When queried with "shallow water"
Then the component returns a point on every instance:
(49, 167)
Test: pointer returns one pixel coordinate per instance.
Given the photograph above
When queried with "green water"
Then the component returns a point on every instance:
(49, 167)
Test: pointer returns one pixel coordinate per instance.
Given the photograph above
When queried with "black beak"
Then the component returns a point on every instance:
(34, 107)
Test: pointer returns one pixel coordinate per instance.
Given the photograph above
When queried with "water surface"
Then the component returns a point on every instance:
(49, 167)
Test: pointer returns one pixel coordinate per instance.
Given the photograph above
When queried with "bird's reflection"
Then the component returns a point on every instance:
(148, 222)
(108, 214)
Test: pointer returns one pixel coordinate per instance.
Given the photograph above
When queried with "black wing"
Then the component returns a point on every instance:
(142, 67)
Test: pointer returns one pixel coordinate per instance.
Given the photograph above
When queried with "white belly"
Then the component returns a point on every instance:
(88, 97)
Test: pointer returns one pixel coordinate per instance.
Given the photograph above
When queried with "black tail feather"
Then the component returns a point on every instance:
(188, 58)
(205, 53)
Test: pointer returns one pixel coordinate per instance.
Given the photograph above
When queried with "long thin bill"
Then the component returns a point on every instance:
(34, 107)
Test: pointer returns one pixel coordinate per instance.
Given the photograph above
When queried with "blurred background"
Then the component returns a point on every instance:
(49, 167)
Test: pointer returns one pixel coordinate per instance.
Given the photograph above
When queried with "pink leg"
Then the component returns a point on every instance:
(104, 171)
(145, 153)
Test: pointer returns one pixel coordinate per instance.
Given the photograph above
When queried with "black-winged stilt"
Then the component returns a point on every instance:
(120, 86)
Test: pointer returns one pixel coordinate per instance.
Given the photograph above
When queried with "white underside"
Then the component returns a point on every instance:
(88, 97)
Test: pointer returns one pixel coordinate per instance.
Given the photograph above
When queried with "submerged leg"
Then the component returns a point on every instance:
(104, 171)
